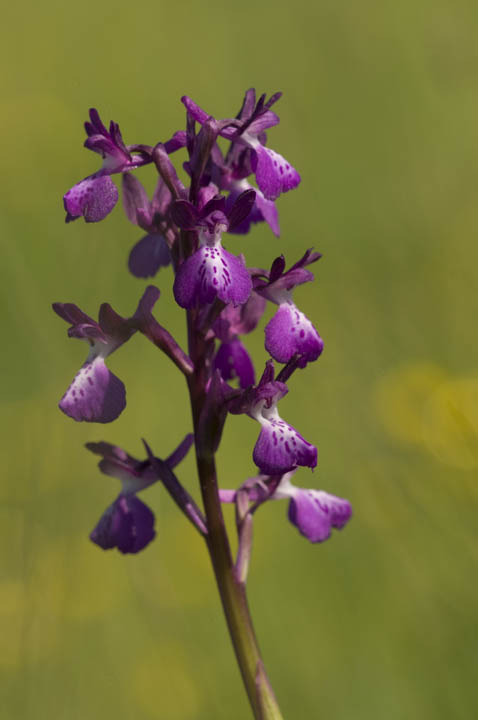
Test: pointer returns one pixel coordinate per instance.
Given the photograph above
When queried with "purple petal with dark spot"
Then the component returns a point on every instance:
(95, 395)
(93, 198)
(233, 361)
(212, 272)
(274, 175)
(127, 524)
(148, 255)
(315, 513)
(289, 332)
(280, 448)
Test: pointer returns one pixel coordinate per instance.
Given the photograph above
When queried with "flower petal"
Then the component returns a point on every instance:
(289, 332)
(212, 272)
(280, 448)
(315, 513)
(232, 360)
(148, 255)
(127, 524)
(95, 395)
(274, 175)
(93, 198)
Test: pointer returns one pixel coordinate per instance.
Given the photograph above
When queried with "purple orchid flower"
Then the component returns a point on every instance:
(128, 523)
(96, 394)
(232, 359)
(95, 196)
(289, 332)
(212, 271)
(274, 175)
(313, 512)
(152, 251)
(279, 447)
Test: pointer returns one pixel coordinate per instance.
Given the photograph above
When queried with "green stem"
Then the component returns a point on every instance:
(231, 590)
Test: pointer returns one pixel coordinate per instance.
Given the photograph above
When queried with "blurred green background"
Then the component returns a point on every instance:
(380, 116)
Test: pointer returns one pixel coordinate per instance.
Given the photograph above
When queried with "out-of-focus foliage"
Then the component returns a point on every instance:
(380, 116)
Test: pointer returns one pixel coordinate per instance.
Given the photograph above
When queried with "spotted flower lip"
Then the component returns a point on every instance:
(279, 447)
(93, 198)
(289, 332)
(96, 394)
(211, 271)
(313, 512)
(274, 175)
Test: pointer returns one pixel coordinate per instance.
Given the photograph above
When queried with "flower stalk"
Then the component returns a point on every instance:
(232, 589)
(224, 300)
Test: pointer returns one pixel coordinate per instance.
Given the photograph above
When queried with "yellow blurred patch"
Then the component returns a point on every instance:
(401, 396)
(81, 581)
(12, 616)
(188, 567)
(450, 423)
(28, 633)
(163, 686)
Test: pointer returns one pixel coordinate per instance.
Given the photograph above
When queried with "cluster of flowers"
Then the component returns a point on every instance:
(225, 300)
